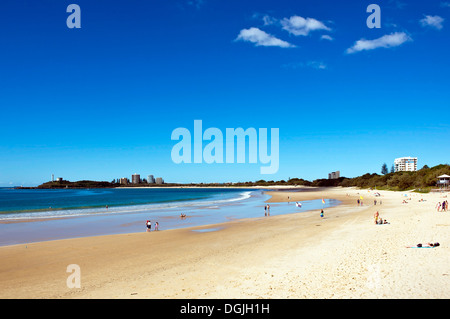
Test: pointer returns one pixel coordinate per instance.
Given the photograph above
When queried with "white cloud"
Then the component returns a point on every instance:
(386, 41)
(261, 38)
(326, 37)
(432, 21)
(300, 26)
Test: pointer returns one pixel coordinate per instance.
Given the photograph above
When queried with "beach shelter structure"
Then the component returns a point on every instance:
(443, 181)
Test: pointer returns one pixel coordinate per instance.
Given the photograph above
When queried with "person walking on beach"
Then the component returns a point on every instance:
(268, 210)
(156, 226)
(321, 213)
(149, 225)
(438, 206)
(265, 210)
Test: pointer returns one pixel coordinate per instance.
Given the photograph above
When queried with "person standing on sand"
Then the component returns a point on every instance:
(149, 225)
(268, 210)
(375, 216)
(156, 226)
(321, 213)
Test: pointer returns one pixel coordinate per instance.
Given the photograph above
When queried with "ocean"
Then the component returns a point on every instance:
(50, 203)
(30, 215)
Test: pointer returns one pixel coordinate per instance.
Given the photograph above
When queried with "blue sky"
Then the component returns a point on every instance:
(101, 102)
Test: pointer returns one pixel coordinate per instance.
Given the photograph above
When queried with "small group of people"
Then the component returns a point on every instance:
(442, 207)
(267, 210)
(378, 220)
(375, 202)
(148, 223)
(359, 202)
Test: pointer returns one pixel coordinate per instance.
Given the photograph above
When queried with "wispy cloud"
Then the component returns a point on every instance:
(297, 25)
(445, 4)
(326, 37)
(268, 20)
(318, 65)
(386, 41)
(196, 3)
(261, 38)
(432, 21)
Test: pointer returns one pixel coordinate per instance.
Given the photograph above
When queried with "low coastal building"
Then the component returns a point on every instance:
(405, 164)
(159, 180)
(443, 181)
(124, 181)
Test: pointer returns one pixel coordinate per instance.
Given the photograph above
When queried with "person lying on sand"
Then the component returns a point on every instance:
(428, 245)
(380, 221)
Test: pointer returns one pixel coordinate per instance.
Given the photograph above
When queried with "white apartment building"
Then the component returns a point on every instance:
(405, 164)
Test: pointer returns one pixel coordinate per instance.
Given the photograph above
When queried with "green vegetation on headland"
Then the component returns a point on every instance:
(422, 180)
(79, 184)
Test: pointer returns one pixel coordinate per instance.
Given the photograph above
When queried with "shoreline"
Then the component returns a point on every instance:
(120, 222)
(299, 255)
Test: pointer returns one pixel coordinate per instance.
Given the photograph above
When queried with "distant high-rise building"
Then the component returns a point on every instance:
(402, 164)
(53, 177)
(135, 178)
(150, 179)
(334, 175)
(159, 180)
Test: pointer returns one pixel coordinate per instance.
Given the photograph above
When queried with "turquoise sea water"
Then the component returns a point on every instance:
(41, 203)
(81, 213)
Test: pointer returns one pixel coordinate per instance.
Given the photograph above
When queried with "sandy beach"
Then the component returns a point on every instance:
(343, 255)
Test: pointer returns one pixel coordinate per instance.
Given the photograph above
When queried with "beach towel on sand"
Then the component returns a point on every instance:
(420, 247)
(424, 245)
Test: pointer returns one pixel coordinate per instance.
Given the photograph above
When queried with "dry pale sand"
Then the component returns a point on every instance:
(300, 255)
